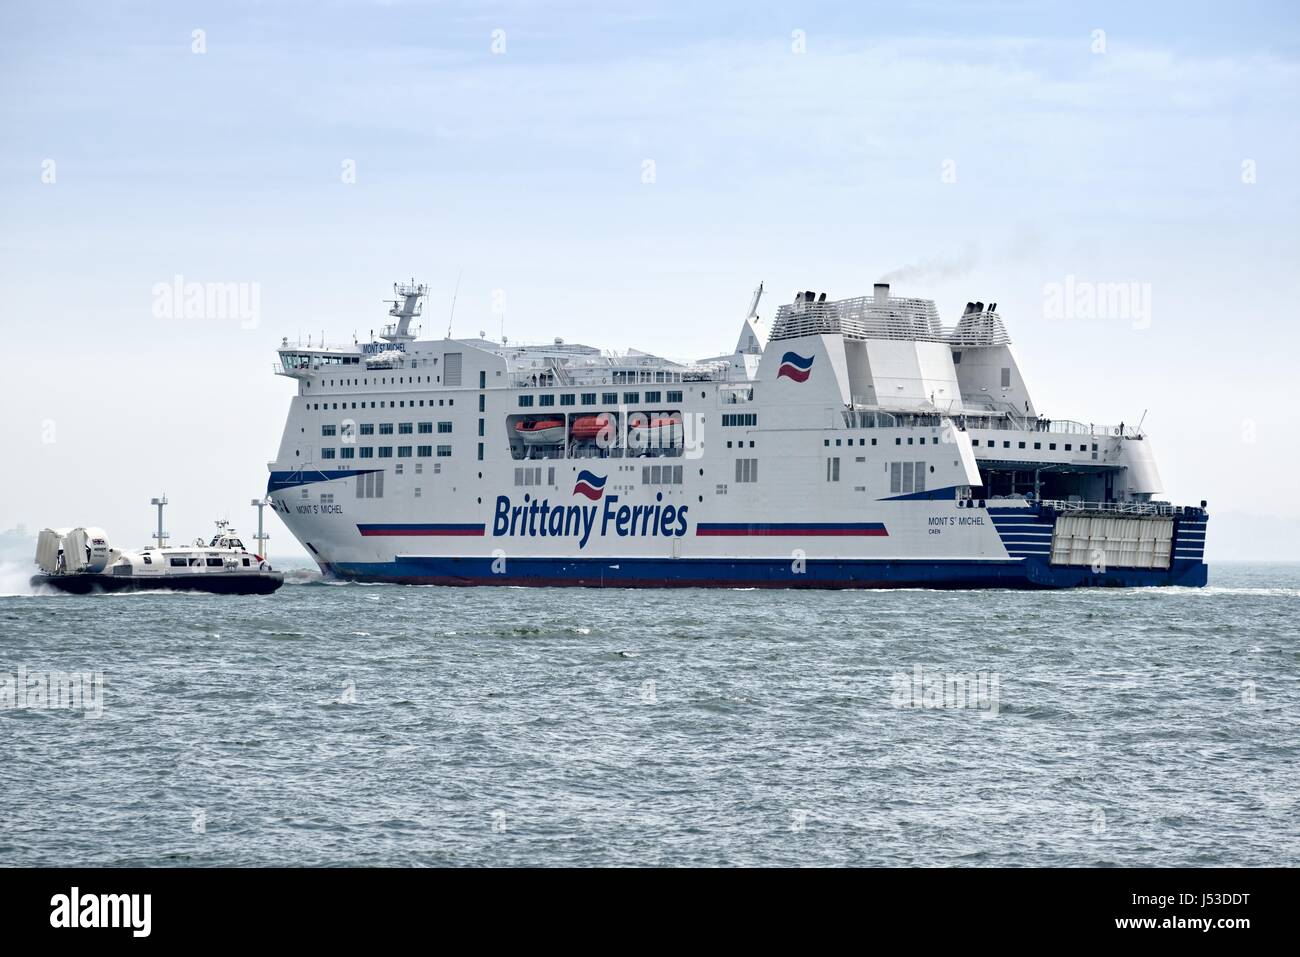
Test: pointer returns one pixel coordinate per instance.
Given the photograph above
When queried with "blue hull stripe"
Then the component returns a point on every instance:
(280, 481)
(759, 573)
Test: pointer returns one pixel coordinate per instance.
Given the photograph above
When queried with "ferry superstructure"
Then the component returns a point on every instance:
(856, 443)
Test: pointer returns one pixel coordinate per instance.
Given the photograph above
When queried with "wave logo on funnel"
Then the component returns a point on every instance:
(795, 366)
(590, 485)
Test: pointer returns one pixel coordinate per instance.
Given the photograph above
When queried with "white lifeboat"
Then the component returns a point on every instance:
(541, 432)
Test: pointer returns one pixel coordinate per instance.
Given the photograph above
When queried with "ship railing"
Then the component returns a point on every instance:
(1121, 508)
(1011, 422)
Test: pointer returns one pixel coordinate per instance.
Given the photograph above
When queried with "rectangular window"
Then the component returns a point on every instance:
(674, 396)
(385, 428)
(895, 478)
(481, 402)
(609, 398)
(405, 428)
(631, 398)
(655, 397)
(588, 398)
(482, 380)
(425, 451)
(366, 428)
(546, 399)
(327, 430)
(525, 401)
(746, 470)
(179, 563)
(568, 398)
(327, 453)
(920, 476)
(1006, 378)
(347, 452)
(426, 428)
(367, 452)
(385, 451)
(403, 451)
(444, 451)
(444, 428)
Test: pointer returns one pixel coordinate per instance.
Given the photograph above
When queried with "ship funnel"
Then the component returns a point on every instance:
(881, 293)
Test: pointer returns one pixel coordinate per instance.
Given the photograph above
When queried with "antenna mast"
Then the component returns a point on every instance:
(454, 294)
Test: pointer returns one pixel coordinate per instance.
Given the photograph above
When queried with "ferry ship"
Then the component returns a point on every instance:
(852, 443)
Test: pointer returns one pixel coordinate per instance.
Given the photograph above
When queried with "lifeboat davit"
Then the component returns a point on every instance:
(541, 432)
(655, 431)
(589, 427)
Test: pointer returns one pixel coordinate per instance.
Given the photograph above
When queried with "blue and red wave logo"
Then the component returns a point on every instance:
(795, 366)
(590, 485)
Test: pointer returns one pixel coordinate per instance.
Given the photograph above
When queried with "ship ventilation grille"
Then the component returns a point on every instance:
(894, 317)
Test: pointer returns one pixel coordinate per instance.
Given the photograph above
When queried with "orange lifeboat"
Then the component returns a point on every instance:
(587, 427)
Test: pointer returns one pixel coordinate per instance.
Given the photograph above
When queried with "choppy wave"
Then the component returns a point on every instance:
(1142, 727)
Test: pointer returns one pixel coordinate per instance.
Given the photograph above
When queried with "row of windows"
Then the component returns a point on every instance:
(385, 452)
(192, 562)
(906, 477)
(386, 428)
(661, 475)
(1069, 446)
(400, 404)
(827, 442)
(606, 398)
(740, 418)
(370, 485)
(533, 475)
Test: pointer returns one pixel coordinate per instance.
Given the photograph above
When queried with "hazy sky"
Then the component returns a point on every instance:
(626, 173)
